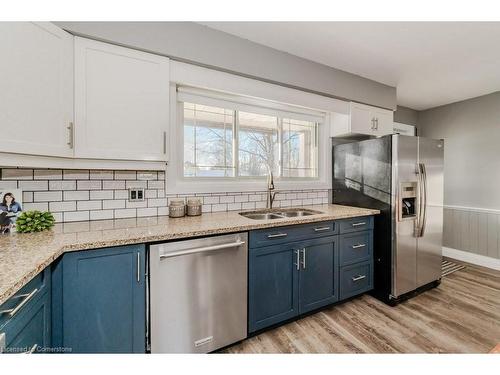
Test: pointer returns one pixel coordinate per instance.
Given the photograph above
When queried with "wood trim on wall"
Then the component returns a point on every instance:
(479, 260)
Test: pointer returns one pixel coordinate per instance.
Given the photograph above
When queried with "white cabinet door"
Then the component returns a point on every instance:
(121, 102)
(383, 121)
(361, 120)
(36, 88)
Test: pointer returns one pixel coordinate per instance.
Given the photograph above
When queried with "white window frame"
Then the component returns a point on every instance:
(187, 75)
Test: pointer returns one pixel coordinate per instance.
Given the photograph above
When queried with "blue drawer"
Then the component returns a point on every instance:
(356, 224)
(22, 299)
(278, 235)
(29, 331)
(356, 279)
(356, 247)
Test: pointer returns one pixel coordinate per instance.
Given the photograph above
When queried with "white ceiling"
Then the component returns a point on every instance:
(430, 63)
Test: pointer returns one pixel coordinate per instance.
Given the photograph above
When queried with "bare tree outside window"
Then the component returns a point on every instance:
(220, 142)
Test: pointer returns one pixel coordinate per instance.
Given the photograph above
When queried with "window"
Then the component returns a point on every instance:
(242, 141)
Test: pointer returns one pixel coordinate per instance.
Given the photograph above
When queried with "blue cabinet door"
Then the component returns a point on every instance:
(318, 285)
(29, 332)
(104, 300)
(273, 285)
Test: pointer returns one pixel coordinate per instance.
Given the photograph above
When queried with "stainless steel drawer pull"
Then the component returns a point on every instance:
(297, 253)
(358, 278)
(321, 229)
(202, 249)
(27, 297)
(32, 350)
(358, 224)
(358, 246)
(277, 235)
(138, 267)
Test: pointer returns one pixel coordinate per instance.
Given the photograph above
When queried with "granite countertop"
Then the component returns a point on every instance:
(23, 256)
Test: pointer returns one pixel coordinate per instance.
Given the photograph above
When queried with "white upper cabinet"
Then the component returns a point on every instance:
(121, 102)
(363, 120)
(36, 89)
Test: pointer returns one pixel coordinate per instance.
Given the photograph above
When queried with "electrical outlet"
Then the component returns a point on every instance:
(135, 194)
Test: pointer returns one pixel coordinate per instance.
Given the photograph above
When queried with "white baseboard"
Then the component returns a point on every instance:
(479, 260)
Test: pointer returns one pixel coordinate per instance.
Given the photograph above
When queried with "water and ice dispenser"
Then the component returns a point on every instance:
(408, 197)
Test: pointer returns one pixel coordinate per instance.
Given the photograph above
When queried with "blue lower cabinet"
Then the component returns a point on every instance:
(318, 277)
(290, 279)
(103, 299)
(273, 286)
(29, 330)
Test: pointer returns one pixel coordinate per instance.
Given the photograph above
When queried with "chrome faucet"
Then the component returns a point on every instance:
(271, 194)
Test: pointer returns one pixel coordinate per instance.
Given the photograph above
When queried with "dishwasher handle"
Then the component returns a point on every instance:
(202, 249)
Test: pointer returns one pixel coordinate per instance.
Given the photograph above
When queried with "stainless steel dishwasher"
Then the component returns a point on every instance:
(198, 294)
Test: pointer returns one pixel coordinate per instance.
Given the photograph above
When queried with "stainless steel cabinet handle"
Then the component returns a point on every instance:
(376, 123)
(2, 342)
(164, 142)
(304, 258)
(373, 124)
(360, 277)
(358, 246)
(297, 264)
(277, 235)
(321, 229)
(71, 128)
(358, 224)
(202, 249)
(27, 297)
(138, 267)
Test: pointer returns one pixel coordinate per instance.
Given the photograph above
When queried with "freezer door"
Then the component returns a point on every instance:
(430, 231)
(404, 273)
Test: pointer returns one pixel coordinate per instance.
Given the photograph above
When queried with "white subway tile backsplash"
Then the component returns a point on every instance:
(121, 194)
(125, 175)
(41, 206)
(147, 175)
(157, 202)
(101, 214)
(47, 196)
(47, 174)
(75, 174)
(33, 185)
(27, 196)
(62, 185)
(124, 213)
(150, 211)
(76, 195)
(112, 204)
(210, 200)
(17, 174)
(88, 205)
(227, 199)
(113, 185)
(136, 184)
(8, 184)
(58, 216)
(89, 185)
(101, 175)
(76, 216)
(139, 204)
(101, 194)
(62, 206)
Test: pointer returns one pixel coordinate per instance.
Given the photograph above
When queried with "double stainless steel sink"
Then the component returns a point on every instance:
(279, 213)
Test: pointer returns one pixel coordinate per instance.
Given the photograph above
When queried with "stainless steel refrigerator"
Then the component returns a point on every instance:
(402, 176)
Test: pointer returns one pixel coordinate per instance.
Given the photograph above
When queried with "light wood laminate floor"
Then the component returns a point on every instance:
(462, 315)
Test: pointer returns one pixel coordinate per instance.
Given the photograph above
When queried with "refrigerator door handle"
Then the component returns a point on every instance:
(424, 200)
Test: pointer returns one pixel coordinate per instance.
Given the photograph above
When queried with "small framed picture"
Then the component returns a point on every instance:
(11, 205)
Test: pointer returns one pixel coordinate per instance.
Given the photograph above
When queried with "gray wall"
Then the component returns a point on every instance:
(406, 115)
(471, 130)
(191, 42)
